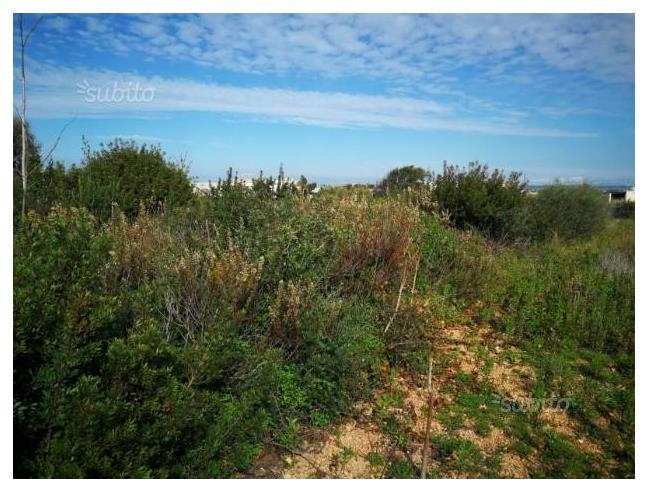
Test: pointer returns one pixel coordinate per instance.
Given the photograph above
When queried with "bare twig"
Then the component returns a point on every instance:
(17, 112)
(418, 261)
(400, 293)
(388, 460)
(31, 31)
(23, 114)
(56, 142)
(302, 455)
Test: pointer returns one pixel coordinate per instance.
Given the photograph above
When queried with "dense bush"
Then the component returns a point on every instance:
(174, 345)
(581, 293)
(402, 178)
(119, 174)
(63, 320)
(490, 202)
(569, 212)
(129, 176)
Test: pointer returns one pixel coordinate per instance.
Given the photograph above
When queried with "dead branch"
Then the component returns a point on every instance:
(400, 293)
(418, 261)
(301, 455)
(56, 142)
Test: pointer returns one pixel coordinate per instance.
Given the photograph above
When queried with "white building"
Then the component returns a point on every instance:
(621, 195)
(630, 195)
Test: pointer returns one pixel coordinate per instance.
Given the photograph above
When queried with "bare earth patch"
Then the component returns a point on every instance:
(512, 466)
(562, 422)
(342, 455)
(343, 451)
(512, 381)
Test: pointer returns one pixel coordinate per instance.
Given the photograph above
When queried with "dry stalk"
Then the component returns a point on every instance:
(400, 293)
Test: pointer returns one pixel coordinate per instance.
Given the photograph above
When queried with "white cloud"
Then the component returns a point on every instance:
(61, 92)
(58, 23)
(189, 32)
(405, 49)
(95, 24)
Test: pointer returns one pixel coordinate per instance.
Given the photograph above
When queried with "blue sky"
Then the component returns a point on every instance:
(343, 98)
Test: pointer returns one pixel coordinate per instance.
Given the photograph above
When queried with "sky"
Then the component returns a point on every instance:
(341, 98)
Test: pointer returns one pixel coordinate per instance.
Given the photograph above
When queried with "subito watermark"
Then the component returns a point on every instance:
(131, 92)
(531, 405)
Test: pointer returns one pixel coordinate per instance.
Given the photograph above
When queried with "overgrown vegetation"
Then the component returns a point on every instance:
(499, 205)
(164, 333)
(569, 212)
(490, 202)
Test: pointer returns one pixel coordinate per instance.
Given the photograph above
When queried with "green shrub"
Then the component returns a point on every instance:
(569, 212)
(405, 177)
(490, 202)
(562, 295)
(140, 417)
(401, 468)
(179, 344)
(63, 318)
(582, 292)
(172, 346)
(123, 174)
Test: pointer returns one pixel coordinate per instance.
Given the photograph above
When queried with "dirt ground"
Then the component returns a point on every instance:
(359, 448)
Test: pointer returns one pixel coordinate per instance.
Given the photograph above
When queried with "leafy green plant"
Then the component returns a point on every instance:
(130, 176)
(623, 210)
(400, 468)
(403, 178)
(569, 212)
(490, 202)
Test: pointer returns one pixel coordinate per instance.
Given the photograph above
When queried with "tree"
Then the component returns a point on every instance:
(304, 187)
(404, 177)
(130, 176)
(22, 114)
(24, 170)
(491, 202)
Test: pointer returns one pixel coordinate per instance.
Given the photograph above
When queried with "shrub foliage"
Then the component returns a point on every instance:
(179, 340)
(569, 212)
(490, 202)
(129, 176)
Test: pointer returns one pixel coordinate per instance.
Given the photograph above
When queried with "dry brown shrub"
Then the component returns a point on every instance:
(376, 242)
(205, 283)
(290, 300)
(139, 247)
